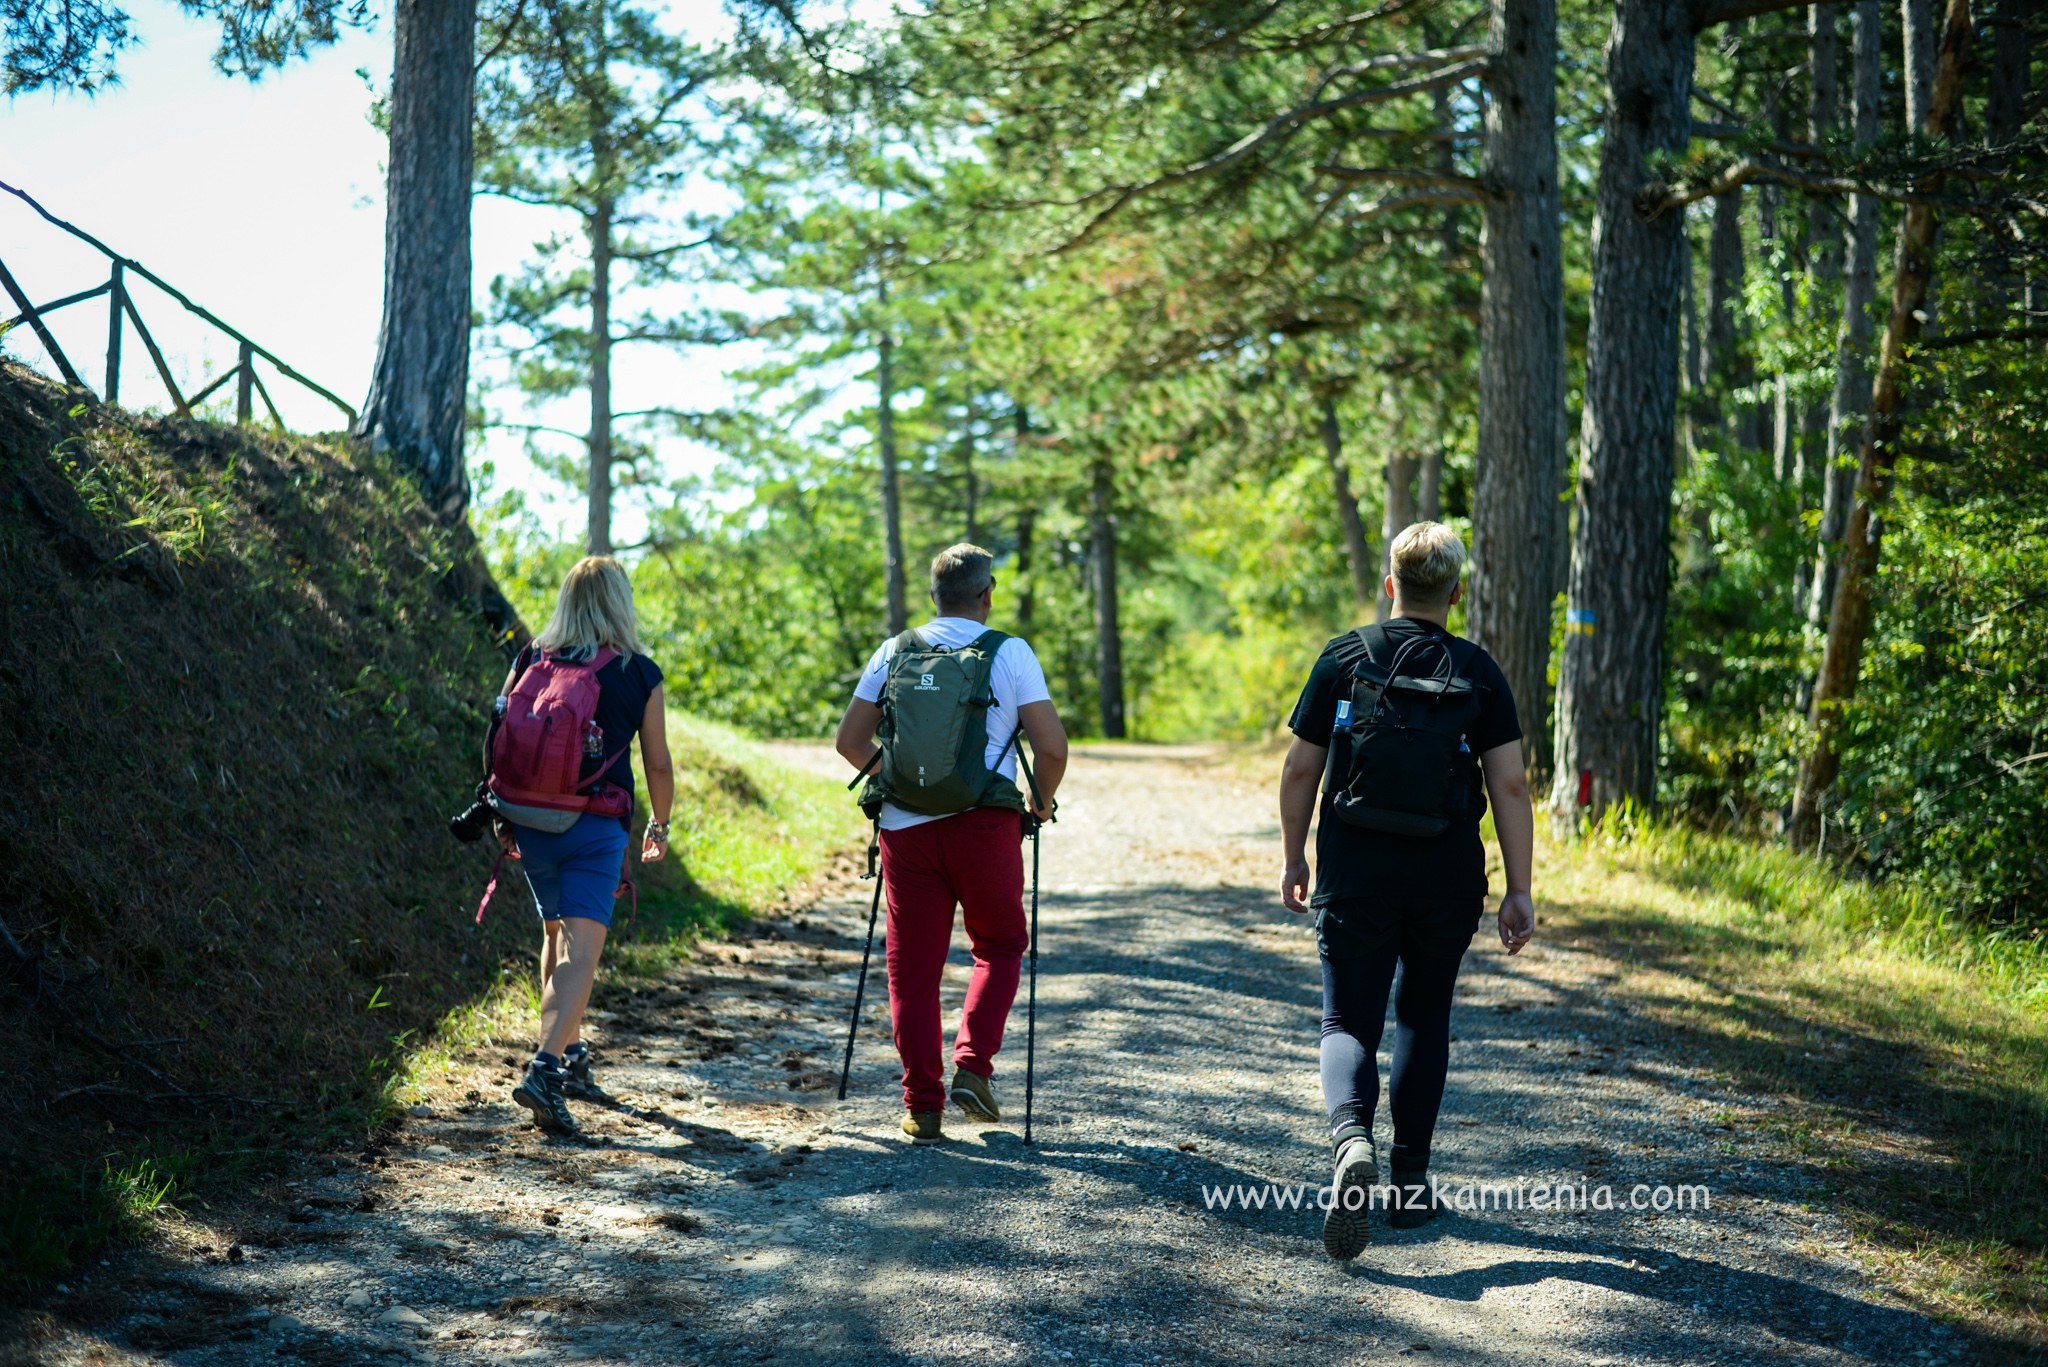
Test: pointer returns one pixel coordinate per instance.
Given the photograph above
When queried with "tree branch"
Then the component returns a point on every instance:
(1977, 335)
(1418, 199)
(1657, 198)
(1728, 132)
(1281, 127)
(1408, 175)
(583, 437)
(1707, 13)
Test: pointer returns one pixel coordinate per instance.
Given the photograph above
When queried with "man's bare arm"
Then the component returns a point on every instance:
(1041, 723)
(1514, 822)
(856, 740)
(1299, 777)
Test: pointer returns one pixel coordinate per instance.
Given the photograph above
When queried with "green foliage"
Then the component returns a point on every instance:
(589, 107)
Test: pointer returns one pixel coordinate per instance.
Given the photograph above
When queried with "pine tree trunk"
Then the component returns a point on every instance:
(1854, 603)
(885, 437)
(1610, 685)
(1521, 371)
(2005, 104)
(599, 539)
(1916, 25)
(419, 388)
(1852, 352)
(1357, 546)
(1027, 524)
(1109, 647)
(2005, 111)
(1780, 229)
(1823, 112)
(1429, 486)
(971, 489)
(1397, 510)
(1728, 366)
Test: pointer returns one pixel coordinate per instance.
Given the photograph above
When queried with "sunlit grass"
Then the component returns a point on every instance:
(1904, 1055)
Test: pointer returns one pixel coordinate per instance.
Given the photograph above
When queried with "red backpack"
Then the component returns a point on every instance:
(538, 745)
(538, 741)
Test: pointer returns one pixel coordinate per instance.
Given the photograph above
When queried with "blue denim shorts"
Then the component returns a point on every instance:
(575, 873)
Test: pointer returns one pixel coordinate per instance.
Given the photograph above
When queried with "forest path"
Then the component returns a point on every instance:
(731, 1211)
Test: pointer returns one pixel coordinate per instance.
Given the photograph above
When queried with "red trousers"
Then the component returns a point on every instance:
(974, 860)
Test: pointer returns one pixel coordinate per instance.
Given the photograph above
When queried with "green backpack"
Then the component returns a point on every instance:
(934, 731)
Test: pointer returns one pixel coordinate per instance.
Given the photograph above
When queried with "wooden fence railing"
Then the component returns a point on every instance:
(121, 307)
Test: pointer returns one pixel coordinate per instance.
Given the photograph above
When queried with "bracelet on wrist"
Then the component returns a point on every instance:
(658, 829)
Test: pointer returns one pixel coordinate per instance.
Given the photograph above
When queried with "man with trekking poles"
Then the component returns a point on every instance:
(937, 727)
(1408, 730)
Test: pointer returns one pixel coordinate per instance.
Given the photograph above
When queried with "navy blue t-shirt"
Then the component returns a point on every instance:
(623, 687)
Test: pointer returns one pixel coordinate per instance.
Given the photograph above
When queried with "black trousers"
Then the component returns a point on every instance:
(1411, 947)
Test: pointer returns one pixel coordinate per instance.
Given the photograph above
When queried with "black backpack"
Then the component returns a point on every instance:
(1398, 760)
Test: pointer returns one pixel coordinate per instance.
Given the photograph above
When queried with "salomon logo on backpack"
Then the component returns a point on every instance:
(934, 732)
(1398, 761)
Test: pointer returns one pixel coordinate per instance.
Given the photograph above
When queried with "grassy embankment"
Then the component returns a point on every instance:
(1905, 1056)
(246, 690)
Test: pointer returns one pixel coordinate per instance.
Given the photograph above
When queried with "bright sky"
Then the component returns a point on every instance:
(264, 203)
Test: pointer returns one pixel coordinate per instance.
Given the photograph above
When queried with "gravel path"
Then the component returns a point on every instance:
(729, 1210)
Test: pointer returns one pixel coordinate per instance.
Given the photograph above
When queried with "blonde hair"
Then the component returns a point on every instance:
(594, 611)
(1426, 560)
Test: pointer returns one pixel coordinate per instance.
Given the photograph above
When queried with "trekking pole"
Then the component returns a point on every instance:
(1031, 1007)
(860, 990)
(1031, 1001)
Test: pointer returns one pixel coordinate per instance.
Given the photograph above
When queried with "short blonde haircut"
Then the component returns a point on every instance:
(1426, 560)
(594, 611)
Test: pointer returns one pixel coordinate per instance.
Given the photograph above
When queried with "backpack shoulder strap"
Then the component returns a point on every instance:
(988, 644)
(901, 644)
(1462, 653)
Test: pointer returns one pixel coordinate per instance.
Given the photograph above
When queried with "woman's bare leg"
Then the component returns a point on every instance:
(565, 985)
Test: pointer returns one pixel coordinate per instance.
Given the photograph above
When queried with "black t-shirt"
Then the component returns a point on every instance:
(1351, 862)
(623, 687)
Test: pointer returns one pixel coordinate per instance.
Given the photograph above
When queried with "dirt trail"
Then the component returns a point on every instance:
(730, 1211)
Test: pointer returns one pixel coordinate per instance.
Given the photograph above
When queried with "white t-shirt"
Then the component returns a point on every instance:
(1015, 679)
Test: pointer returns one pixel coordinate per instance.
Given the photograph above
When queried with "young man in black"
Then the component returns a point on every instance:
(1385, 899)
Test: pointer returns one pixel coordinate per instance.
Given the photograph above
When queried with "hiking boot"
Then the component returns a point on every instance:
(1345, 1231)
(972, 1094)
(540, 1091)
(577, 1080)
(1409, 1210)
(923, 1126)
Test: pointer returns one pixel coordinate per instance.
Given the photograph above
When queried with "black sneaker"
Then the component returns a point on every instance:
(1410, 1208)
(540, 1091)
(577, 1080)
(1345, 1230)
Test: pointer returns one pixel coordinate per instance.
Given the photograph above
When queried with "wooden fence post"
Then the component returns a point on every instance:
(114, 292)
(35, 320)
(243, 396)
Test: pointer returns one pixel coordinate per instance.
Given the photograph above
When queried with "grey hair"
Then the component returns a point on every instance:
(960, 574)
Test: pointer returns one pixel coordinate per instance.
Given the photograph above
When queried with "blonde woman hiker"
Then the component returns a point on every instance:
(561, 785)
